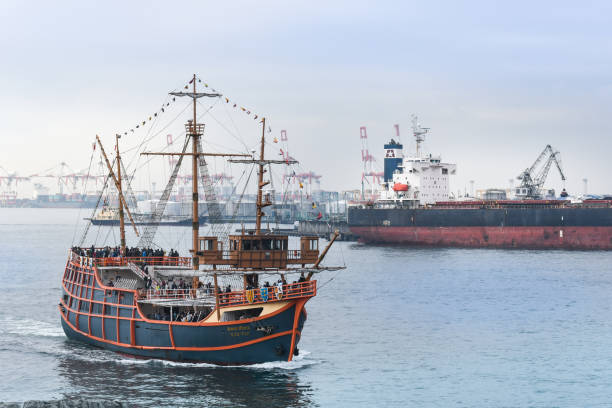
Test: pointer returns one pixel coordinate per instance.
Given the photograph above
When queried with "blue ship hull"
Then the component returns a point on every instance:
(265, 349)
(110, 318)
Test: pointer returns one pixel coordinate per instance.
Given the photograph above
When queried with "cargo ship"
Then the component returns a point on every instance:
(415, 208)
(127, 299)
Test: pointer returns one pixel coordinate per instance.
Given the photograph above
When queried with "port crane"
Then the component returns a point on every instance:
(533, 178)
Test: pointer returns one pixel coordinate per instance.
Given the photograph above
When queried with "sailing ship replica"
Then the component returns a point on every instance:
(112, 298)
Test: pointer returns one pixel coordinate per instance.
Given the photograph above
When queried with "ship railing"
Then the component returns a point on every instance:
(124, 261)
(257, 254)
(238, 298)
(154, 293)
(147, 260)
(271, 293)
(294, 254)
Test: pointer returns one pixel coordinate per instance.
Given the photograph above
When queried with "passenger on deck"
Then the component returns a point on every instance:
(174, 285)
(302, 277)
(228, 289)
(110, 283)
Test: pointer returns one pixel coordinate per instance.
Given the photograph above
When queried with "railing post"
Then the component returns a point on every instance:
(217, 298)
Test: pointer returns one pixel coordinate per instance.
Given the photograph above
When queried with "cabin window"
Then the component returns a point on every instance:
(207, 245)
(444, 171)
(266, 244)
(314, 244)
(246, 245)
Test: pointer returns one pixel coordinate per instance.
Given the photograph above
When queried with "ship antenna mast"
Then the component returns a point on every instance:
(419, 134)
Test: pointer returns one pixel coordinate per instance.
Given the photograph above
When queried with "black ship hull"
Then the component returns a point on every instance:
(518, 226)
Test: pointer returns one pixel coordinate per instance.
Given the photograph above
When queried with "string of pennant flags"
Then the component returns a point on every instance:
(230, 102)
(164, 107)
(152, 116)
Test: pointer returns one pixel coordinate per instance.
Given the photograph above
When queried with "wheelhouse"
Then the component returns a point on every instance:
(257, 251)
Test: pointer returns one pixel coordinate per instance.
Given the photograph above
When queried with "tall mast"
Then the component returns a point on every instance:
(195, 137)
(261, 183)
(120, 189)
(119, 193)
(194, 130)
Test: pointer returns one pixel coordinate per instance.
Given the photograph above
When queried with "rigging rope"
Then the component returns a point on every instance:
(130, 192)
(93, 212)
(149, 233)
(228, 226)
(76, 225)
(210, 198)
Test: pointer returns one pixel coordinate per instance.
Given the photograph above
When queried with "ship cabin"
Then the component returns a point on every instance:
(258, 251)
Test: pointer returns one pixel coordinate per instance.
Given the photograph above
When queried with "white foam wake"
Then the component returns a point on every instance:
(297, 362)
(29, 327)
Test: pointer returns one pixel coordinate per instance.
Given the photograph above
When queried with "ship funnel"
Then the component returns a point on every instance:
(393, 158)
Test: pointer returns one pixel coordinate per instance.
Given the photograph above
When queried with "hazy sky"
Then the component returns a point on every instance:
(495, 81)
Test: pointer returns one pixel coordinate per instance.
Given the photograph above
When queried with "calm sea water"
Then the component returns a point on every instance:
(400, 327)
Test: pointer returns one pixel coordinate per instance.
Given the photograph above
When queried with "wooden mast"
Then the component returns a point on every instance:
(120, 189)
(260, 183)
(195, 137)
(194, 131)
(121, 198)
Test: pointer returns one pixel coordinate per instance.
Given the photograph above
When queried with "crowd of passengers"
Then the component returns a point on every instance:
(132, 252)
(180, 316)
(208, 288)
(171, 284)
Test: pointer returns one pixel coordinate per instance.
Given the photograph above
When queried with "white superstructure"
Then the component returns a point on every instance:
(420, 179)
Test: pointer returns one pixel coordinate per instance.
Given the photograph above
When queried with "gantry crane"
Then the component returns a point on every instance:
(532, 178)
